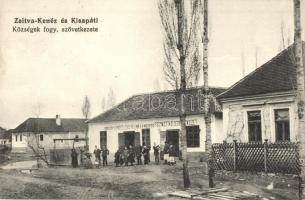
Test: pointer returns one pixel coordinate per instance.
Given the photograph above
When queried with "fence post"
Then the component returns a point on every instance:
(235, 155)
(265, 155)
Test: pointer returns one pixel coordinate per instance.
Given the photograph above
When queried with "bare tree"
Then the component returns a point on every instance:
(103, 104)
(86, 113)
(33, 138)
(182, 57)
(243, 67)
(298, 52)
(86, 108)
(156, 85)
(37, 109)
(207, 95)
(285, 36)
(111, 101)
(256, 57)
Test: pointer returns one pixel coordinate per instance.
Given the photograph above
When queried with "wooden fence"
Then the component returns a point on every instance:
(280, 157)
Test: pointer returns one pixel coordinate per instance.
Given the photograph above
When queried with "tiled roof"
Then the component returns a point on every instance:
(49, 125)
(4, 134)
(157, 105)
(277, 75)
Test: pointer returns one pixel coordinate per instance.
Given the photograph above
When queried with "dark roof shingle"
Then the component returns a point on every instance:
(162, 104)
(277, 75)
(49, 125)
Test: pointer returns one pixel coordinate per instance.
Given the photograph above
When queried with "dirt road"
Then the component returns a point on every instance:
(134, 182)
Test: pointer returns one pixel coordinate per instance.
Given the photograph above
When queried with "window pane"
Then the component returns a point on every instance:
(103, 139)
(282, 126)
(146, 137)
(254, 115)
(192, 136)
(287, 131)
(282, 114)
(254, 126)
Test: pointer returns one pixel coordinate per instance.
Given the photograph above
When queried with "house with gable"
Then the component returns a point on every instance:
(262, 105)
(153, 118)
(41, 132)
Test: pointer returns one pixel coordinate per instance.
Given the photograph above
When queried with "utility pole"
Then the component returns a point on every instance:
(207, 111)
(300, 92)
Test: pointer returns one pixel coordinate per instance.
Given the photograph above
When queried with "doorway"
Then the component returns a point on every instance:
(129, 138)
(172, 137)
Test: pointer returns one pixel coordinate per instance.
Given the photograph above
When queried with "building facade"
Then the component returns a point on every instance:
(262, 105)
(47, 133)
(152, 119)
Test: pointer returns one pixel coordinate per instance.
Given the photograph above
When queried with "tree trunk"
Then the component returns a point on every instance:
(300, 92)
(182, 115)
(207, 113)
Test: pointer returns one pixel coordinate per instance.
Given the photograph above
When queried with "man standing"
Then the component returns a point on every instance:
(105, 153)
(165, 150)
(138, 152)
(97, 153)
(156, 153)
(145, 154)
(74, 158)
(131, 155)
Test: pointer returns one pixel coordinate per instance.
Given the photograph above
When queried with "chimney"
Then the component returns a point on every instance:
(58, 121)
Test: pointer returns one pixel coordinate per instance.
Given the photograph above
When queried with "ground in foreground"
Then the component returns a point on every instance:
(133, 182)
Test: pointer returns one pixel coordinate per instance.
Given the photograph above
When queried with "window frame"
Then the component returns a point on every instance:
(41, 137)
(193, 131)
(146, 137)
(283, 124)
(257, 124)
(103, 139)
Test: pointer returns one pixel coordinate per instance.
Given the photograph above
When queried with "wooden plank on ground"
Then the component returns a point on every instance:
(215, 194)
(213, 190)
(183, 194)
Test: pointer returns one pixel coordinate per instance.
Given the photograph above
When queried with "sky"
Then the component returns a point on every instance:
(57, 70)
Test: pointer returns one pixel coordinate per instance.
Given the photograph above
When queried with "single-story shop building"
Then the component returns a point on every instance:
(153, 118)
(41, 132)
(262, 105)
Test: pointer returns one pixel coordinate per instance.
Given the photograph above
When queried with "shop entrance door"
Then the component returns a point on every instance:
(172, 137)
(129, 138)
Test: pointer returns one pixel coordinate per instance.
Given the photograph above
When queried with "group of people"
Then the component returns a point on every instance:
(104, 152)
(127, 155)
(85, 158)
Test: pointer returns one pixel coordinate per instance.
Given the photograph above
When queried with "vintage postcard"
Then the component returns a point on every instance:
(152, 99)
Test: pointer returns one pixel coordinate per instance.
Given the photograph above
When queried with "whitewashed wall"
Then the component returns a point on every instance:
(47, 142)
(235, 115)
(136, 125)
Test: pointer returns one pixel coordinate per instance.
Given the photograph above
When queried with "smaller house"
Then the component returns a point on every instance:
(5, 137)
(47, 132)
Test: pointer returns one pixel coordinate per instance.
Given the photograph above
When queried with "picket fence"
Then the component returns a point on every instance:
(279, 157)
